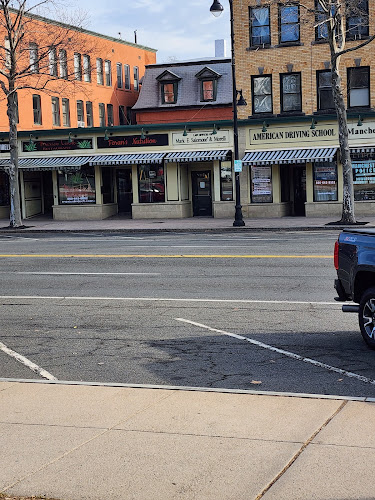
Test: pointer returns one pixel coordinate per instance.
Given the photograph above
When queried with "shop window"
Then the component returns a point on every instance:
(226, 181)
(110, 115)
(364, 180)
(4, 189)
(260, 30)
(127, 76)
(289, 23)
(321, 30)
(63, 63)
(52, 57)
(108, 73)
(77, 188)
(101, 114)
(359, 87)
(86, 68)
(261, 94)
(325, 181)
(55, 111)
(324, 88)
(65, 112)
(89, 115)
(136, 78)
(99, 71)
(34, 58)
(291, 98)
(119, 75)
(169, 92)
(37, 109)
(151, 183)
(357, 20)
(107, 185)
(261, 184)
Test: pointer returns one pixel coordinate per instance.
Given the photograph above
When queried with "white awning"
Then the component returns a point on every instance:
(291, 156)
(127, 159)
(192, 156)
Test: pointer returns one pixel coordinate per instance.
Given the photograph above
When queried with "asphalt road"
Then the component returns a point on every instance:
(238, 311)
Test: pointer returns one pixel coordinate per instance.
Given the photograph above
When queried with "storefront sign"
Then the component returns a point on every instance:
(198, 138)
(56, 145)
(293, 135)
(4, 147)
(132, 141)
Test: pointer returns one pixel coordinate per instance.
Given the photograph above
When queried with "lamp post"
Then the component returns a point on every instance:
(216, 9)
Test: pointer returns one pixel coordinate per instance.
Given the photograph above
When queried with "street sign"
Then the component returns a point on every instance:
(238, 165)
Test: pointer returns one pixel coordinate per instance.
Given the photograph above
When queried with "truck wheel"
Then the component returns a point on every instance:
(366, 317)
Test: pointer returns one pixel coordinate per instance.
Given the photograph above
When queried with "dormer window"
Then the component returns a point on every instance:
(168, 87)
(208, 84)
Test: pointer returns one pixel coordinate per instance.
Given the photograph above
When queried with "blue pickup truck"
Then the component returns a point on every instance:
(354, 258)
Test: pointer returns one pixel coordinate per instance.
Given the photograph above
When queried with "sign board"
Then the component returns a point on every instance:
(200, 138)
(238, 165)
(132, 141)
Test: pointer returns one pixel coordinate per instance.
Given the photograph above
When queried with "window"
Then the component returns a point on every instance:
(86, 68)
(107, 185)
(357, 20)
(325, 181)
(122, 115)
(89, 116)
(321, 30)
(226, 181)
(108, 73)
(52, 57)
(78, 66)
(291, 98)
(119, 75)
(151, 183)
(101, 114)
(4, 189)
(34, 58)
(127, 76)
(56, 111)
(17, 110)
(260, 31)
(7, 52)
(65, 112)
(63, 64)
(359, 87)
(77, 188)
(136, 78)
(209, 90)
(364, 180)
(110, 115)
(80, 114)
(169, 92)
(261, 184)
(99, 71)
(289, 23)
(262, 94)
(37, 109)
(324, 86)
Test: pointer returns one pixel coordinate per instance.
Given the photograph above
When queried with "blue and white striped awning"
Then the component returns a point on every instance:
(192, 156)
(363, 149)
(290, 156)
(127, 159)
(51, 163)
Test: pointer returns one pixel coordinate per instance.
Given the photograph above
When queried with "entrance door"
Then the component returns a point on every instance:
(299, 187)
(201, 190)
(124, 191)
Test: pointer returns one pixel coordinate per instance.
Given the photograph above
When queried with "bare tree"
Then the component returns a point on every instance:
(34, 54)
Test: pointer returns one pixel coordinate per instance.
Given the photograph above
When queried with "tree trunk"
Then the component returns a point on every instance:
(15, 206)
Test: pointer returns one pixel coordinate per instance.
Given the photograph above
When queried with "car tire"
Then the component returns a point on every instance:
(366, 317)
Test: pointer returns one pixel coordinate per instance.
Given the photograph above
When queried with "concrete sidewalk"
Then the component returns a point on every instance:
(82, 442)
(193, 224)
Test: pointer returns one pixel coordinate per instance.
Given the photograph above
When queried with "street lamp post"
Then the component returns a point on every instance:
(216, 9)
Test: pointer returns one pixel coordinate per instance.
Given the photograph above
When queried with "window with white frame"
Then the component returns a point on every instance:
(108, 73)
(80, 113)
(110, 115)
(127, 76)
(119, 75)
(52, 59)
(99, 71)
(86, 68)
(65, 112)
(37, 109)
(136, 78)
(34, 57)
(78, 66)
(63, 63)
(101, 114)
(89, 116)
(55, 111)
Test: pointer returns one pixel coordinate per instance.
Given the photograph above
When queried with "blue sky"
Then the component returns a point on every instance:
(179, 29)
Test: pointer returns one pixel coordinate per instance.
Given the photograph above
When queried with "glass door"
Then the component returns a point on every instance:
(202, 197)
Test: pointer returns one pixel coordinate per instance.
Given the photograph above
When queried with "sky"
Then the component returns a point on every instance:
(178, 29)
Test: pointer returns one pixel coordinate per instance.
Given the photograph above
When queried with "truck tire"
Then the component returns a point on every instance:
(366, 317)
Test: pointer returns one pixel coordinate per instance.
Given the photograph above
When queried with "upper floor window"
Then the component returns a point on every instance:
(63, 62)
(110, 115)
(37, 109)
(359, 87)
(108, 73)
(99, 71)
(80, 114)
(77, 66)
(324, 88)
(260, 30)
(169, 92)
(289, 23)
(65, 112)
(321, 30)
(86, 68)
(262, 94)
(208, 79)
(101, 114)
(136, 78)
(56, 111)
(34, 58)
(89, 116)
(52, 57)
(357, 20)
(127, 76)
(208, 90)
(291, 97)
(119, 75)
(121, 115)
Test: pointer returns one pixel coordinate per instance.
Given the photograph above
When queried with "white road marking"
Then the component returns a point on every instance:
(157, 299)
(282, 351)
(88, 274)
(21, 359)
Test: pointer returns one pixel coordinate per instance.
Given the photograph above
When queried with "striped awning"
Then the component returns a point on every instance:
(363, 149)
(52, 163)
(127, 159)
(289, 156)
(187, 156)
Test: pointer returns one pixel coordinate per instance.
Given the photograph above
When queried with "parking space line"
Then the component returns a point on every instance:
(282, 351)
(29, 364)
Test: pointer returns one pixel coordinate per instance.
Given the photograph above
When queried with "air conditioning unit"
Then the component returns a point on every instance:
(81, 124)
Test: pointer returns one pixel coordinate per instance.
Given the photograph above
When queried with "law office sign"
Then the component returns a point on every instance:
(200, 138)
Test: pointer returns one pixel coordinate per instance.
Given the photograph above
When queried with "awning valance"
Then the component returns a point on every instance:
(187, 156)
(363, 149)
(127, 159)
(289, 156)
(51, 163)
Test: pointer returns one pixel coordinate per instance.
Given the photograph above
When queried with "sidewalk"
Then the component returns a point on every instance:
(82, 442)
(193, 224)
